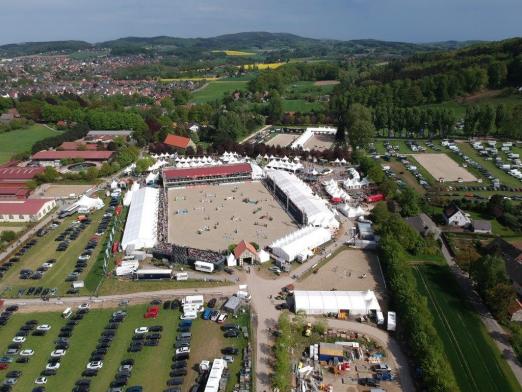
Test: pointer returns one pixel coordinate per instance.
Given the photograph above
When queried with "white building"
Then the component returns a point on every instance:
(454, 216)
(140, 229)
(356, 303)
(300, 201)
(300, 243)
(31, 210)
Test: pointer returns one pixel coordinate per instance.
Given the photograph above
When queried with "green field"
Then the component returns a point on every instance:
(152, 364)
(21, 140)
(215, 90)
(300, 105)
(474, 358)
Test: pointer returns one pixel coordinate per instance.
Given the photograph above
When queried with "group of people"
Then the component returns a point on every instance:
(162, 231)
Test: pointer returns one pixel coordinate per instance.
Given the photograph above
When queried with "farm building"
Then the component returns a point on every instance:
(331, 352)
(179, 142)
(300, 201)
(13, 181)
(31, 210)
(178, 177)
(481, 226)
(454, 216)
(354, 303)
(48, 157)
(140, 229)
(73, 146)
(423, 225)
(300, 244)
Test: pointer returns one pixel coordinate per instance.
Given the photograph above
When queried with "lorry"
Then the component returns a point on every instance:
(392, 321)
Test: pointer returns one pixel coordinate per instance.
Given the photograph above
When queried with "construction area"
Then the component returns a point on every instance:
(213, 217)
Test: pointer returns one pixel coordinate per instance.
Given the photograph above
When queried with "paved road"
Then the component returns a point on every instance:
(497, 333)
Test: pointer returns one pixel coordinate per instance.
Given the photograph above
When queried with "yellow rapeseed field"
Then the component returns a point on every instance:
(264, 65)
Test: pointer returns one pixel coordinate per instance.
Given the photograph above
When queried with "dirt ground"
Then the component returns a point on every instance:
(15, 229)
(60, 191)
(350, 270)
(320, 142)
(282, 139)
(326, 82)
(442, 166)
(213, 217)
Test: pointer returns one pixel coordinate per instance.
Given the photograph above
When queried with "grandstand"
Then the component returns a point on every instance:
(187, 255)
(180, 177)
(299, 200)
(300, 142)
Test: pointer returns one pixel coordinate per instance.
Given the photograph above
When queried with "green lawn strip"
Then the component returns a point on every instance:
(474, 358)
(504, 178)
(21, 140)
(215, 90)
(240, 343)
(42, 346)
(114, 285)
(301, 105)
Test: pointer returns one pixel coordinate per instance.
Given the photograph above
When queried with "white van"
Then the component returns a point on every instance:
(67, 313)
(191, 315)
(182, 276)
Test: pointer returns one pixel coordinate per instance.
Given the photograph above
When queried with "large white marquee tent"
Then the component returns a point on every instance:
(300, 243)
(320, 302)
(314, 208)
(140, 229)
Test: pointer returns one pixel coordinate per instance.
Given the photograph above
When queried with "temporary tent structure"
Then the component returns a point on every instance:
(356, 303)
(140, 229)
(300, 243)
(86, 204)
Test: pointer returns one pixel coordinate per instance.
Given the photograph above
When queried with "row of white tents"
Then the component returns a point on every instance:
(332, 188)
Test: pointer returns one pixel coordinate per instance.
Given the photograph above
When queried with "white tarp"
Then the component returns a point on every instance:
(321, 302)
(300, 242)
(140, 229)
(231, 260)
(263, 256)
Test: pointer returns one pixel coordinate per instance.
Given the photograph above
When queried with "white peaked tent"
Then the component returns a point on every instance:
(87, 203)
(320, 302)
(151, 178)
(352, 212)
(128, 196)
(263, 256)
(141, 229)
(231, 260)
(300, 243)
(114, 184)
(332, 188)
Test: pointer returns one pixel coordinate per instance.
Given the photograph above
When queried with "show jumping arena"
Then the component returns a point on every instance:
(215, 216)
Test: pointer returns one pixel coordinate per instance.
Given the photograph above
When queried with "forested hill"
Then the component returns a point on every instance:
(284, 44)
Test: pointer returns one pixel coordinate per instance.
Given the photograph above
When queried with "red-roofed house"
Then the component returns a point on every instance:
(30, 210)
(245, 252)
(179, 142)
(44, 157)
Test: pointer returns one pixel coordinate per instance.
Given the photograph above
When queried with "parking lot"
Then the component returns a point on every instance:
(63, 253)
(148, 345)
(213, 217)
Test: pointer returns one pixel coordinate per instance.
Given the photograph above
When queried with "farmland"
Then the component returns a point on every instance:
(217, 89)
(21, 140)
(475, 360)
(234, 52)
(89, 329)
(300, 105)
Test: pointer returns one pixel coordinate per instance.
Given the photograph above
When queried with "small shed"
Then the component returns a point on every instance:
(233, 304)
(331, 352)
(245, 252)
(481, 226)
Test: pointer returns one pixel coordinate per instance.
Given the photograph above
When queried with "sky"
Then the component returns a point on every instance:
(391, 20)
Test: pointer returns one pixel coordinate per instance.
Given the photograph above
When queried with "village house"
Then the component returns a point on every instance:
(454, 216)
